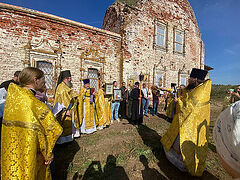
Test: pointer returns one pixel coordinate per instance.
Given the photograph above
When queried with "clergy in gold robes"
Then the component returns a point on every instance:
(69, 121)
(108, 107)
(86, 109)
(101, 110)
(29, 130)
(186, 141)
(171, 105)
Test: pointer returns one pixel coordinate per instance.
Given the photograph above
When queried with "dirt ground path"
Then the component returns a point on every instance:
(124, 151)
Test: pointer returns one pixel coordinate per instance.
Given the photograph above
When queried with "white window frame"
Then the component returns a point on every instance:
(157, 75)
(176, 42)
(164, 35)
(183, 76)
(94, 78)
(47, 74)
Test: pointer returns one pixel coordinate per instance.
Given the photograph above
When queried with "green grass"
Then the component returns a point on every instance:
(144, 152)
(112, 134)
(220, 91)
(70, 167)
(91, 140)
(120, 159)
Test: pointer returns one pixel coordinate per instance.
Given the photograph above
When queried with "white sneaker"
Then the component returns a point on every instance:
(77, 134)
(118, 120)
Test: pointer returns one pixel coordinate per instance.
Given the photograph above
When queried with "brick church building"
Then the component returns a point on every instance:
(159, 38)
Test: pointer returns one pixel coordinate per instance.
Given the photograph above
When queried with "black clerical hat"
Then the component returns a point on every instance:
(173, 84)
(63, 75)
(86, 81)
(198, 73)
(137, 83)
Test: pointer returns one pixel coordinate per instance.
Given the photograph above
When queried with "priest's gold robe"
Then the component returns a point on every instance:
(191, 122)
(89, 112)
(108, 107)
(29, 133)
(170, 102)
(101, 109)
(64, 94)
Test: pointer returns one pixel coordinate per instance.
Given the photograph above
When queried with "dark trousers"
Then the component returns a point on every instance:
(122, 109)
(137, 118)
(155, 106)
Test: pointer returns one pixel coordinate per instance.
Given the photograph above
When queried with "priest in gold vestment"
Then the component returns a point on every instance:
(170, 111)
(69, 121)
(86, 109)
(101, 110)
(29, 130)
(186, 141)
(108, 107)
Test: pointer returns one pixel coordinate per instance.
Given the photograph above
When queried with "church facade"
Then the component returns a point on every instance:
(159, 38)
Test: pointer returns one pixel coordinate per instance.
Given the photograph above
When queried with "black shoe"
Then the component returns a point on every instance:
(146, 115)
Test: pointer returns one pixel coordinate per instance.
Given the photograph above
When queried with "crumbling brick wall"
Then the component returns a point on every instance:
(27, 36)
(137, 26)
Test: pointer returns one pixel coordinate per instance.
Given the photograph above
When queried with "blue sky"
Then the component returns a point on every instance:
(218, 21)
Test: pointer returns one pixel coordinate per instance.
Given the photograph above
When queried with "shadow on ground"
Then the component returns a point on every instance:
(110, 171)
(163, 116)
(63, 157)
(152, 139)
(149, 173)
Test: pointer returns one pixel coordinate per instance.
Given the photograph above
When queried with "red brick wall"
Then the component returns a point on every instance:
(18, 26)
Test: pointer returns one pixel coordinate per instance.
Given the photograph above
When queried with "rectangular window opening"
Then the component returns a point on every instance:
(47, 68)
(161, 35)
(179, 41)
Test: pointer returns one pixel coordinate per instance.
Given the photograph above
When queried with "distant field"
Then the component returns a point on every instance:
(220, 91)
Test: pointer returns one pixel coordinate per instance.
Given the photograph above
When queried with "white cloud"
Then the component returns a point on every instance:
(235, 49)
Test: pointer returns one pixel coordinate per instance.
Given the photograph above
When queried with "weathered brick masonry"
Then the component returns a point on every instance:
(137, 22)
(28, 36)
(156, 37)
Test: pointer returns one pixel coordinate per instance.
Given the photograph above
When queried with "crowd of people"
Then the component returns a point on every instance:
(31, 126)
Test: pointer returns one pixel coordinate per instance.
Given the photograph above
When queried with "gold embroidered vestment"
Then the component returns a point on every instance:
(191, 122)
(29, 133)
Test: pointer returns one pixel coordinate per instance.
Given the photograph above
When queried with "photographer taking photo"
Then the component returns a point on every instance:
(235, 95)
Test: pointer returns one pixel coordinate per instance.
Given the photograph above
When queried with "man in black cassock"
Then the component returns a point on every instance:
(123, 102)
(14, 80)
(137, 118)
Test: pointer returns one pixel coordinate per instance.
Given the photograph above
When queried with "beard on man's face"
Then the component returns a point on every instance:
(191, 86)
(69, 84)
